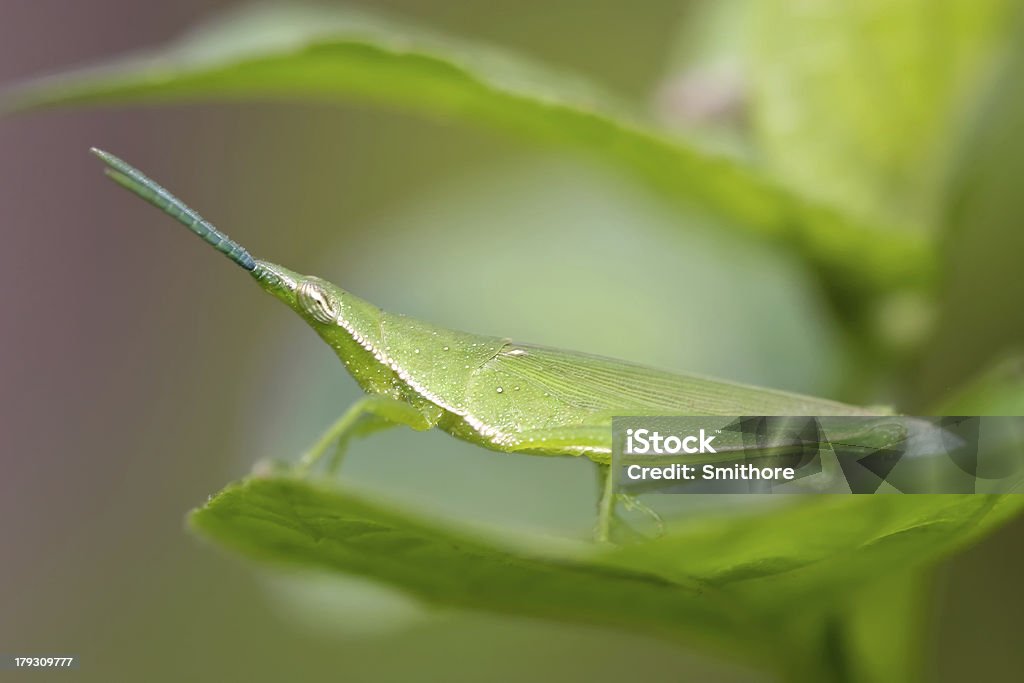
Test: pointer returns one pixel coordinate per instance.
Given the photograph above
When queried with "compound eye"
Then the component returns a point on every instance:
(318, 302)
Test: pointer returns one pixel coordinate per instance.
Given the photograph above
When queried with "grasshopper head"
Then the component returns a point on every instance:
(350, 325)
(324, 306)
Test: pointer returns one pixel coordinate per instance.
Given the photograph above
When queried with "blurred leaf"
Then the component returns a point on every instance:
(997, 391)
(980, 321)
(754, 581)
(888, 628)
(704, 91)
(293, 54)
(854, 100)
(881, 630)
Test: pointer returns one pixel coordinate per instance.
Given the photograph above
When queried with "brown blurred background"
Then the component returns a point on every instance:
(139, 372)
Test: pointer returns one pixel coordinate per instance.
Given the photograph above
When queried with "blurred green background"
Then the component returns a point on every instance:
(139, 372)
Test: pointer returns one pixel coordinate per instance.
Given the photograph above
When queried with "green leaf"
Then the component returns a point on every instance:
(328, 56)
(853, 101)
(819, 547)
(999, 390)
(883, 630)
(753, 587)
(305, 524)
(979, 320)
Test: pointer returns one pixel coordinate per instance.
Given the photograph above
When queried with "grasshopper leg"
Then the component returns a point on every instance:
(633, 504)
(592, 441)
(368, 414)
(605, 505)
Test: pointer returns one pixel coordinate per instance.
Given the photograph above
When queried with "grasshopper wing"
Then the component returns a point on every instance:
(584, 384)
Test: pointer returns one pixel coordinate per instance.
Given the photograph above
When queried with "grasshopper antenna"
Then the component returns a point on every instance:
(131, 178)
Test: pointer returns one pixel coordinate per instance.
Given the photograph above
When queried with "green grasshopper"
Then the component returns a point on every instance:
(492, 392)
